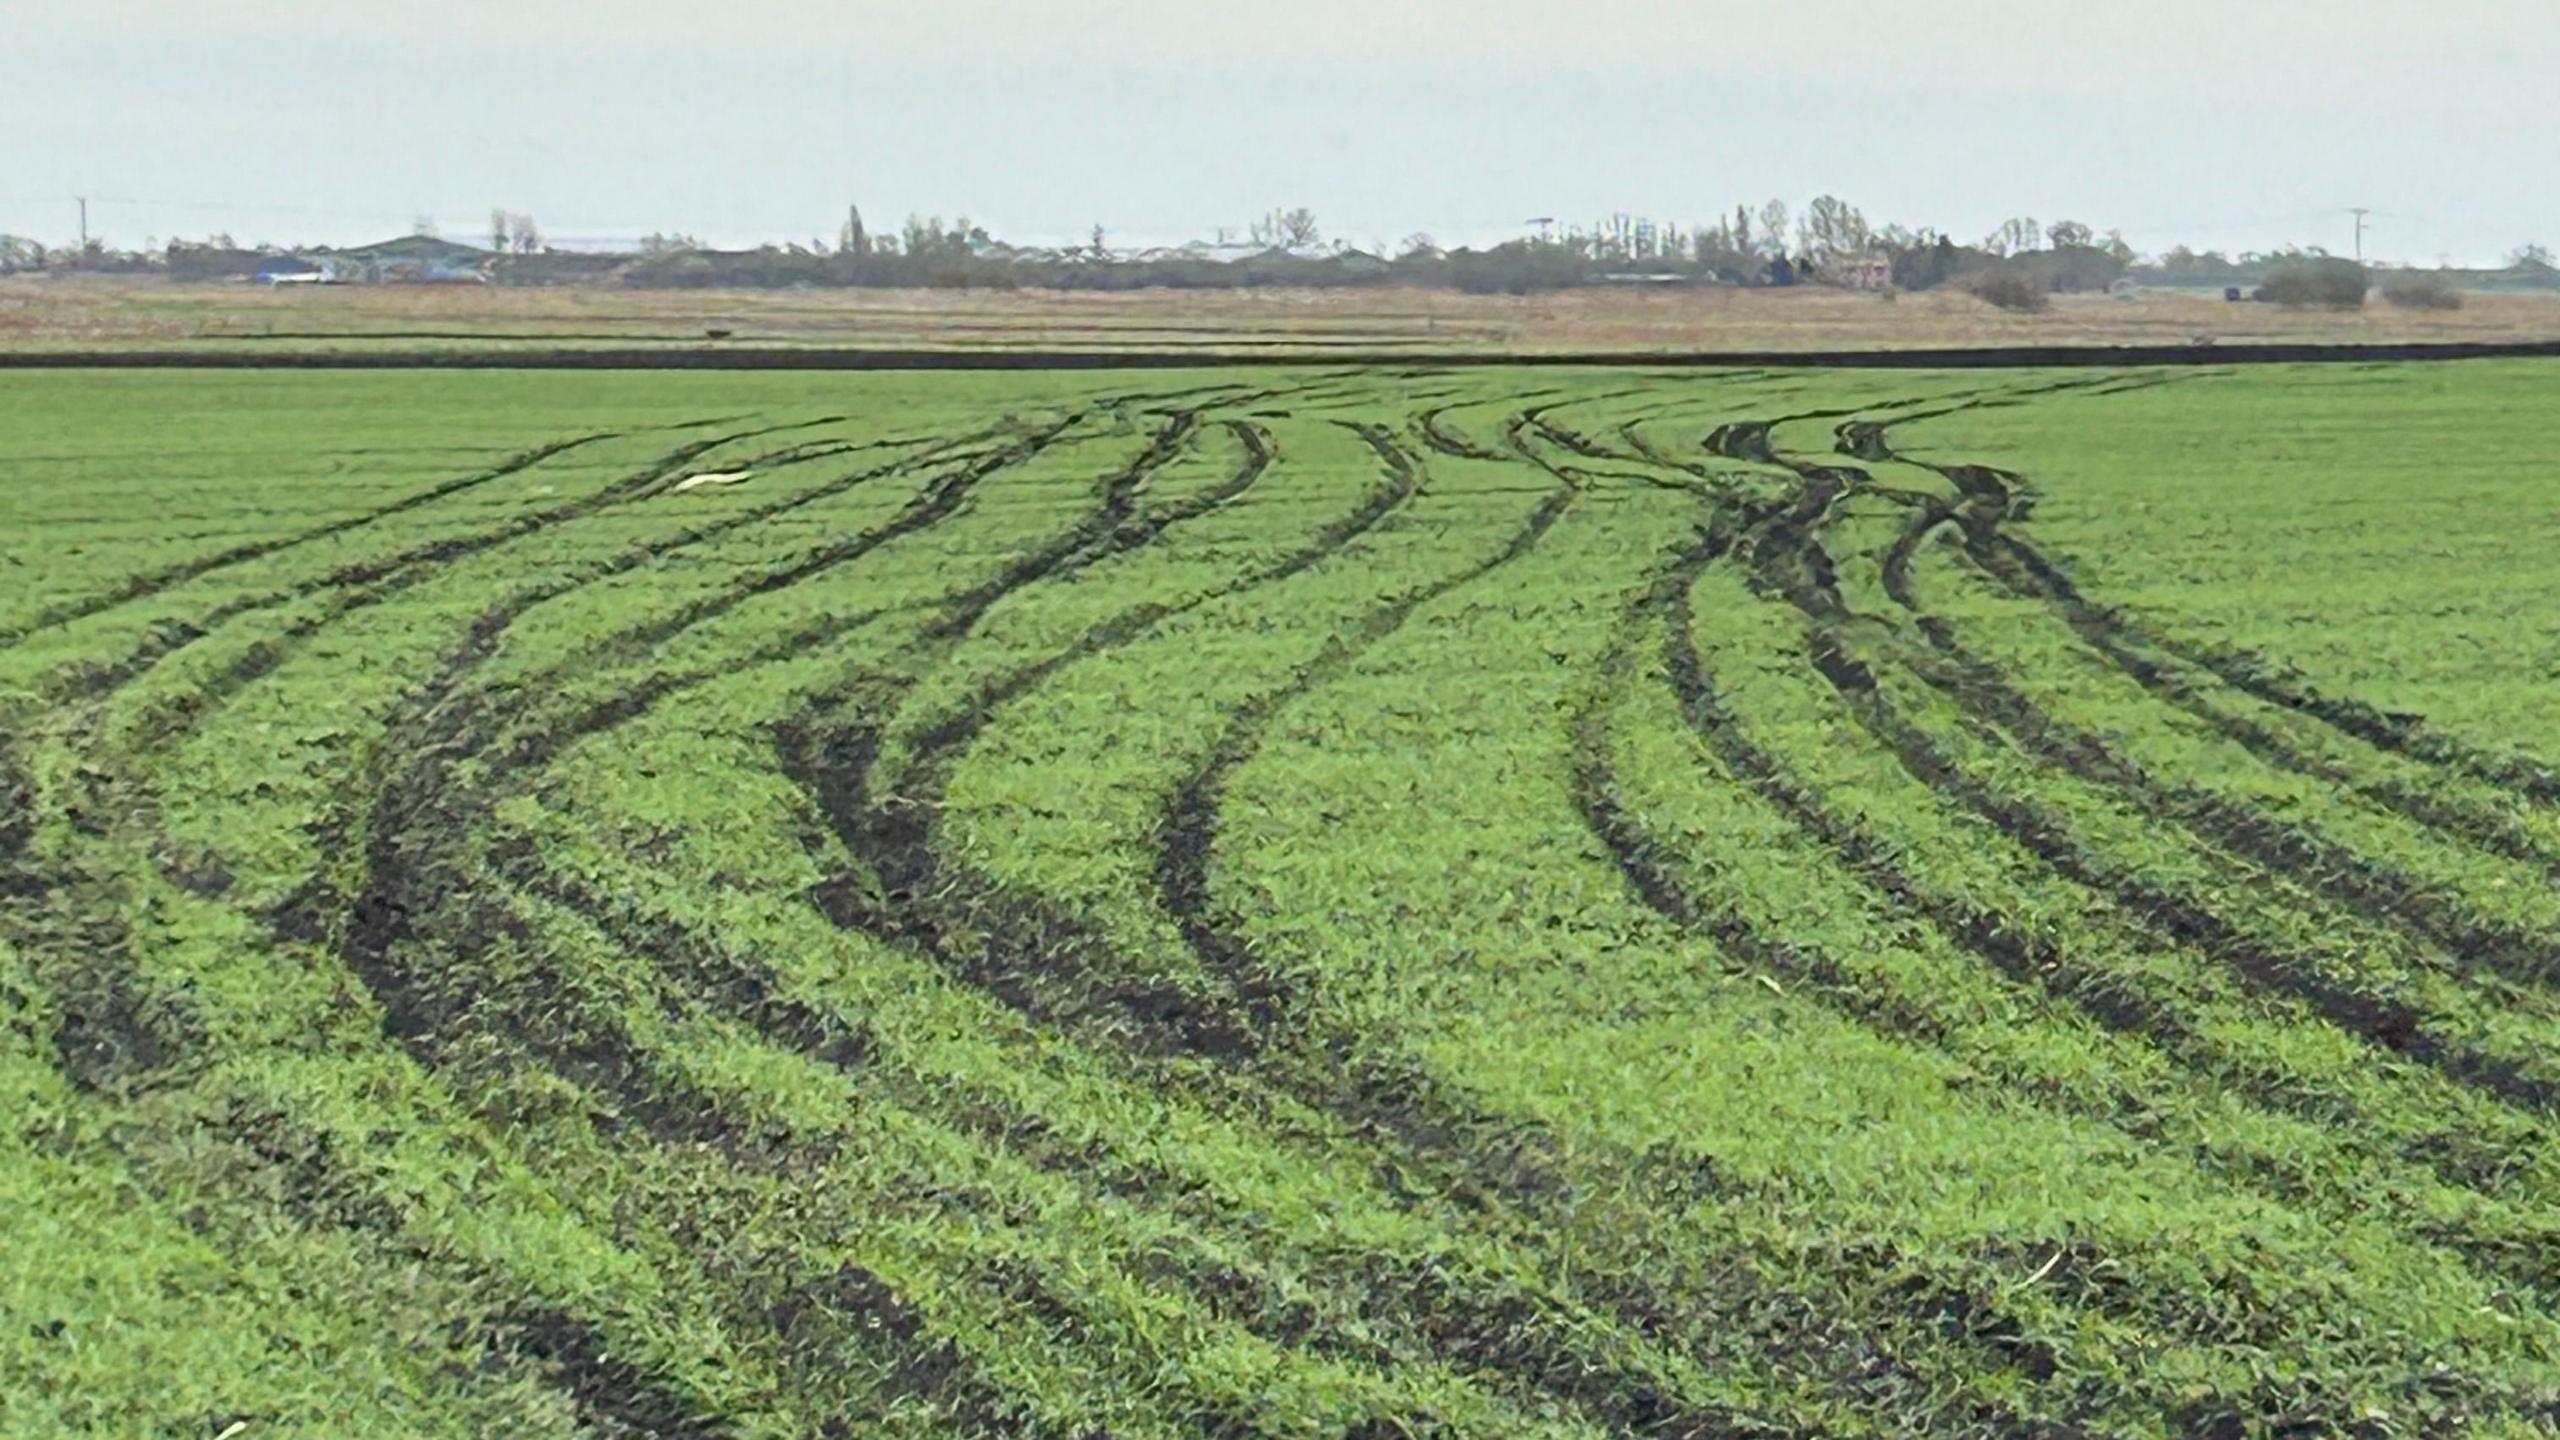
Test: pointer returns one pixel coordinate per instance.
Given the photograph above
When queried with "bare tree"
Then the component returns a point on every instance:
(2530, 256)
(2015, 237)
(1833, 227)
(528, 236)
(1773, 226)
(498, 231)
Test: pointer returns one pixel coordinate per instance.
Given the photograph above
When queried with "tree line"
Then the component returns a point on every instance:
(1771, 244)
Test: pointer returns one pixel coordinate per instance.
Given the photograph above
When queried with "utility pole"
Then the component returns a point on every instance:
(2359, 212)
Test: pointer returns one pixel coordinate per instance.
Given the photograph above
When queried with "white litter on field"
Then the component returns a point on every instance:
(719, 477)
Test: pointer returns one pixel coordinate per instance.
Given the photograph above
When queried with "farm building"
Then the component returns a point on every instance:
(1871, 271)
(287, 270)
(409, 260)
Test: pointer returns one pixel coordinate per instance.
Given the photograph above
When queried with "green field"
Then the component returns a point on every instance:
(1298, 903)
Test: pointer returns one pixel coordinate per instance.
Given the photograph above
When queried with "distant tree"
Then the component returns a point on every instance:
(2530, 256)
(1742, 230)
(1833, 227)
(853, 239)
(424, 227)
(1773, 227)
(1100, 250)
(2015, 237)
(2070, 235)
(1418, 246)
(2417, 290)
(498, 231)
(2008, 289)
(2322, 280)
(527, 237)
(1298, 228)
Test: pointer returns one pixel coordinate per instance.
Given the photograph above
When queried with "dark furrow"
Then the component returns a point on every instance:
(613, 1396)
(1990, 1334)
(176, 717)
(746, 990)
(1990, 500)
(152, 582)
(2518, 1259)
(1054, 969)
(1096, 537)
(2368, 887)
(2371, 888)
(368, 582)
(2393, 1025)
(419, 809)
(2447, 815)
(2400, 733)
(418, 879)
(1188, 837)
(1995, 495)
(2031, 960)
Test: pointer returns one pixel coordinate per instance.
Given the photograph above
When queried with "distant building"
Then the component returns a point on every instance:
(287, 270)
(1870, 271)
(409, 260)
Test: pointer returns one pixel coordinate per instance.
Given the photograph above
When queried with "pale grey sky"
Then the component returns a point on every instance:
(2232, 124)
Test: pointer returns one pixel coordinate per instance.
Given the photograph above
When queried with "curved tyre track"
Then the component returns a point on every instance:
(2364, 885)
(1522, 1336)
(152, 582)
(2389, 1024)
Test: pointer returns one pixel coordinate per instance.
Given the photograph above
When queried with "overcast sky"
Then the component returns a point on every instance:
(2241, 125)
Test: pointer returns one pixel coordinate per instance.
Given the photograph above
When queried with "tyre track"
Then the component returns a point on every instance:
(2032, 961)
(418, 906)
(1990, 499)
(415, 888)
(2365, 886)
(2515, 1258)
(2389, 1024)
(152, 582)
(364, 583)
(1026, 942)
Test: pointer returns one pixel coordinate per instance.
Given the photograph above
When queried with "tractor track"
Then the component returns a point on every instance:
(2390, 1024)
(415, 893)
(428, 935)
(2367, 887)
(152, 582)
(2026, 959)
(1168, 1022)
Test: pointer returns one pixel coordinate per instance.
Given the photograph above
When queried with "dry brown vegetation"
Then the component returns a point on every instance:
(84, 313)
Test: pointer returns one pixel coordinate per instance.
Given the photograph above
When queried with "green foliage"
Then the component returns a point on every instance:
(2009, 288)
(1277, 902)
(2324, 280)
(2409, 291)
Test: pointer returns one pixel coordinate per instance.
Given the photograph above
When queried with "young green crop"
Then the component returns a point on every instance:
(1278, 902)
